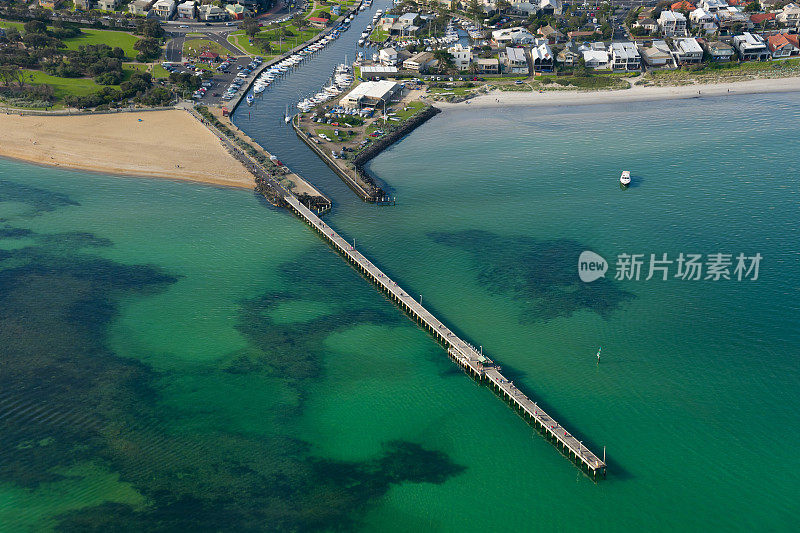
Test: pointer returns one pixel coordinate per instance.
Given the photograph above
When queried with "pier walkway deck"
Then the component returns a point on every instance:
(473, 362)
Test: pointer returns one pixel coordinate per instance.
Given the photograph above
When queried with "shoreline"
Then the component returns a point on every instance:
(167, 144)
(636, 93)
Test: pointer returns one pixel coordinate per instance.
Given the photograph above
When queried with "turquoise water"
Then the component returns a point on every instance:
(182, 356)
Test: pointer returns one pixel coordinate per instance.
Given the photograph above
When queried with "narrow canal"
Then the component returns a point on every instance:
(264, 120)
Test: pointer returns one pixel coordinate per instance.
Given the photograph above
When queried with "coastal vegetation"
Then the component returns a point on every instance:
(49, 63)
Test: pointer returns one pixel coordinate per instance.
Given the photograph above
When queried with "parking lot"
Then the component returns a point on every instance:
(217, 86)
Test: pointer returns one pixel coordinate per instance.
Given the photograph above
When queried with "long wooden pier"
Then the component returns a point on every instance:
(473, 362)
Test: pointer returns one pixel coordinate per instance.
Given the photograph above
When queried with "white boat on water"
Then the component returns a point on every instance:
(625, 178)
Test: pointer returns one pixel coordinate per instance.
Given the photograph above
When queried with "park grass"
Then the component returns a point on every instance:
(111, 38)
(197, 46)
(239, 39)
(63, 87)
(160, 72)
(9, 25)
(343, 136)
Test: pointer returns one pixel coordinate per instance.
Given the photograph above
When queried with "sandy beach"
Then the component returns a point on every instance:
(634, 94)
(166, 144)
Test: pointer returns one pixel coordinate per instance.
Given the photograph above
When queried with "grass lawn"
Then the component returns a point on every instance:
(63, 86)
(194, 47)
(111, 38)
(278, 45)
(74, 86)
(409, 110)
(343, 135)
(8, 25)
(160, 72)
(378, 35)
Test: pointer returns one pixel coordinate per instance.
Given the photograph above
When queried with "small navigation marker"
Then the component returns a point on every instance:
(598, 355)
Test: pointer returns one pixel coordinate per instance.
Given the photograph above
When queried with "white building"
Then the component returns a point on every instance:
(387, 57)
(462, 56)
(672, 23)
(687, 51)
(751, 47)
(513, 36)
(657, 55)
(624, 56)
(596, 59)
(371, 93)
(790, 15)
(700, 18)
(139, 7)
(712, 6)
(551, 7)
(164, 9)
(542, 58)
(212, 13)
(514, 61)
(186, 10)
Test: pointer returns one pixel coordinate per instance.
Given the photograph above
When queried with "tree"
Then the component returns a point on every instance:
(148, 49)
(250, 27)
(445, 59)
(503, 5)
(752, 7)
(35, 26)
(580, 69)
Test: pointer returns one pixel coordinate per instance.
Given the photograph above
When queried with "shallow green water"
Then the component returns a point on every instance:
(187, 357)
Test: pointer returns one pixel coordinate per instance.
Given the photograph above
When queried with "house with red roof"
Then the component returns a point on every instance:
(318, 21)
(767, 19)
(683, 5)
(782, 46)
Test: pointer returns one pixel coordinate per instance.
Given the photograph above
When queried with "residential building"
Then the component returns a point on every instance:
(570, 55)
(580, 35)
(551, 7)
(515, 62)
(139, 7)
(107, 5)
(700, 18)
(524, 8)
(371, 94)
(719, 51)
(657, 55)
(50, 4)
(712, 6)
(419, 62)
(596, 59)
(238, 12)
(387, 56)
(647, 24)
(731, 17)
(683, 5)
(751, 47)
(789, 15)
(512, 36)
(763, 19)
(687, 51)
(552, 35)
(781, 45)
(624, 56)
(672, 24)
(86, 5)
(186, 10)
(488, 66)
(212, 13)
(542, 58)
(405, 25)
(462, 56)
(163, 9)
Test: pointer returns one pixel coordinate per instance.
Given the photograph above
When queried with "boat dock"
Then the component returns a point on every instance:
(464, 354)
